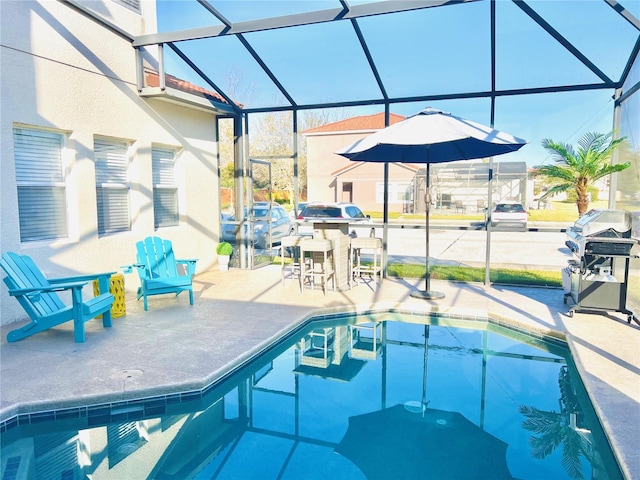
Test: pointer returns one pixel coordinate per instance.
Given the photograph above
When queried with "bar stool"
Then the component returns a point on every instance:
(293, 243)
(365, 340)
(359, 244)
(317, 348)
(320, 263)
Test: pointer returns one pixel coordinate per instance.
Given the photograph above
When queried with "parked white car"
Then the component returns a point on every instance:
(509, 214)
(323, 211)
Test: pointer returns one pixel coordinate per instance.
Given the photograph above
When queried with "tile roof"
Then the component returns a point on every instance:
(356, 164)
(365, 122)
(152, 80)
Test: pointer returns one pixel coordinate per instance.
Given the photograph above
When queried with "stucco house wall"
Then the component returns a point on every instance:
(63, 72)
(367, 185)
(331, 177)
(322, 163)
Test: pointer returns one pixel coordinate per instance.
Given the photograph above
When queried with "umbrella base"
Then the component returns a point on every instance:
(427, 294)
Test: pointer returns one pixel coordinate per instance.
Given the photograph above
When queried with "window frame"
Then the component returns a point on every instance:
(159, 176)
(111, 180)
(40, 167)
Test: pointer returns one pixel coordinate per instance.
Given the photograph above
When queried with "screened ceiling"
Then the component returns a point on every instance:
(311, 54)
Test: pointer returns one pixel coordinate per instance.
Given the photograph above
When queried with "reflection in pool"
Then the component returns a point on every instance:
(357, 397)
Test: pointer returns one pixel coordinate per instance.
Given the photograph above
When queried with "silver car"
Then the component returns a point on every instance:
(279, 221)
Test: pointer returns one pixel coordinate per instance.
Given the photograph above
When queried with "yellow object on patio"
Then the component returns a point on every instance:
(119, 307)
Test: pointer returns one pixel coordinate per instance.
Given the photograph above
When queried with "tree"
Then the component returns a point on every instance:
(271, 136)
(578, 170)
(553, 429)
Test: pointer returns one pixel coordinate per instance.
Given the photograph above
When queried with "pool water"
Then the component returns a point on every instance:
(382, 396)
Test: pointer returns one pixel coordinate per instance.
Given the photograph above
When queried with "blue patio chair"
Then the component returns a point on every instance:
(158, 270)
(37, 296)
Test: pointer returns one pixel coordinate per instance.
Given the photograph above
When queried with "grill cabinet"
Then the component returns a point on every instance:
(601, 244)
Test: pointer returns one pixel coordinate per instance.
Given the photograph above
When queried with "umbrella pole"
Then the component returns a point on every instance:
(427, 294)
(425, 402)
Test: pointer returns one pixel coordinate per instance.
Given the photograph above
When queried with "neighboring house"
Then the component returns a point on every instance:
(331, 177)
(89, 166)
(363, 183)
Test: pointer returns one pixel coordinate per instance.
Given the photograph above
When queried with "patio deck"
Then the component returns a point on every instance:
(175, 347)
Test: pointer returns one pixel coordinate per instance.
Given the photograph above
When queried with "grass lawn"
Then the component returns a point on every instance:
(565, 212)
(538, 278)
(559, 212)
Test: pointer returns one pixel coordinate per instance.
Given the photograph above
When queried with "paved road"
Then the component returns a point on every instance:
(528, 250)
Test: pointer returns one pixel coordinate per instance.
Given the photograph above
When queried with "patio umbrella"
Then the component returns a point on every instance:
(396, 443)
(431, 136)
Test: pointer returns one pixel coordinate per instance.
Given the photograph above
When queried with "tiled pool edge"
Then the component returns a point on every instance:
(135, 401)
(132, 407)
(622, 454)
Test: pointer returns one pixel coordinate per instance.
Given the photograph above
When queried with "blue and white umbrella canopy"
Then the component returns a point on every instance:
(432, 136)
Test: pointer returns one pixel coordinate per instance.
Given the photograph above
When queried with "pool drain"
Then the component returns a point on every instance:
(127, 448)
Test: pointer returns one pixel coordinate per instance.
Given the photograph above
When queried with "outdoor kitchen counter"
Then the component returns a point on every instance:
(338, 232)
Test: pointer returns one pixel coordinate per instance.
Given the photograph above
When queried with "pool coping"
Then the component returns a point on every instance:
(44, 409)
(483, 303)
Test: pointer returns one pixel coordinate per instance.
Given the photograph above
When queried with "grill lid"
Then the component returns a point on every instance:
(605, 223)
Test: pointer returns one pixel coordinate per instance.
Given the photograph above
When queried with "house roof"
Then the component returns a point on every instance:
(353, 165)
(364, 122)
(152, 80)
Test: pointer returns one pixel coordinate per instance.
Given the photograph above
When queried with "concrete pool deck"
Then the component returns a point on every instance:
(175, 347)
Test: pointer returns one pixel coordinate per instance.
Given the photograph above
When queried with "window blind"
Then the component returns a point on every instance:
(112, 187)
(42, 204)
(130, 4)
(165, 192)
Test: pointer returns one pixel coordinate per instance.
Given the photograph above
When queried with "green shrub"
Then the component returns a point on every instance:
(224, 248)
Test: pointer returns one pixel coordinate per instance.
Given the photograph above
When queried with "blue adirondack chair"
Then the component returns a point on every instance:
(39, 299)
(157, 268)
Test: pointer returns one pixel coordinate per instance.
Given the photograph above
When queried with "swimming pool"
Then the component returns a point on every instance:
(375, 396)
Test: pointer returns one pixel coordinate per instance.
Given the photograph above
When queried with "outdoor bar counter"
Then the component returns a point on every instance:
(338, 232)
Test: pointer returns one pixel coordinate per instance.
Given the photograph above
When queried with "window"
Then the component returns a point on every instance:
(354, 212)
(40, 178)
(112, 187)
(130, 4)
(165, 192)
(398, 192)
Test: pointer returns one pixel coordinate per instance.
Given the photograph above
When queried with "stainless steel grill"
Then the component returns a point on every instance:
(597, 276)
(601, 232)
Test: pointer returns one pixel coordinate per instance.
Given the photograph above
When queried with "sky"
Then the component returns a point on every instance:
(435, 51)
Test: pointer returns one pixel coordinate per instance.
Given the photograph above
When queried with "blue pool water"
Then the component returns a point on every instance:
(367, 397)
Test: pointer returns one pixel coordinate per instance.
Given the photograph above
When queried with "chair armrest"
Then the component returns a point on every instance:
(51, 288)
(129, 268)
(80, 278)
(190, 263)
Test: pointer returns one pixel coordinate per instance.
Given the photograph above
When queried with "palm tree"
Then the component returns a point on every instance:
(579, 170)
(553, 429)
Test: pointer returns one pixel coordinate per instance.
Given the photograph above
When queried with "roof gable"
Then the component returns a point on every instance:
(364, 122)
(353, 165)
